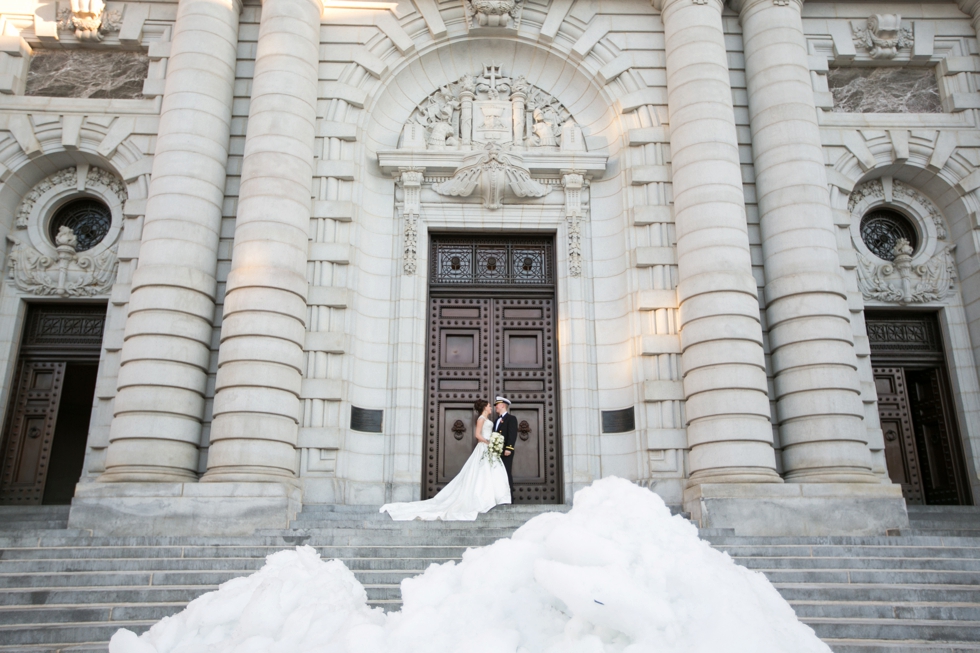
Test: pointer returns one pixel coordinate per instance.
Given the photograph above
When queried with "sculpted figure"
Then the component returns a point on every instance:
(544, 131)
(443, 133)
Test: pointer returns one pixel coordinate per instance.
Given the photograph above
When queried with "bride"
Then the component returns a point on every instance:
(478, 487)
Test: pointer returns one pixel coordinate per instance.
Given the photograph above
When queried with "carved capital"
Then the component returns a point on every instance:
(664, 6)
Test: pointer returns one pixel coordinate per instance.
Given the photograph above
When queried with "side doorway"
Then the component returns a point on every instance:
(46, 427)
(923, 448)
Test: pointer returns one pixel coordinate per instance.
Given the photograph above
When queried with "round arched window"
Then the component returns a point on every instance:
(883, 228)
(88, 218)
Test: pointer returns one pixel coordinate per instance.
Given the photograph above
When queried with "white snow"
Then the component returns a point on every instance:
(616, 574)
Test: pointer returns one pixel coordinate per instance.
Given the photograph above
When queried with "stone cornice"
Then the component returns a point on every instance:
(972, 9)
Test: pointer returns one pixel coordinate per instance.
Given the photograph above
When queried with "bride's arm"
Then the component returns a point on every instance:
(479, 428)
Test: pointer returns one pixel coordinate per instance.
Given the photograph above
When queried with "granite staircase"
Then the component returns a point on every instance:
(916, 591)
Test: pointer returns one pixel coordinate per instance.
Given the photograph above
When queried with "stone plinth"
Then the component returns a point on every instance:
(798, 508)
(160, 509)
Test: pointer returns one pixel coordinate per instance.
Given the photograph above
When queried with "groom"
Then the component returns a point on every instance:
(506, 425)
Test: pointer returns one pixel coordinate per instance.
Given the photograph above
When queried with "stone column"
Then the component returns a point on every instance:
(159, 406)
(728, 425)
(819, 406)
(260, 362)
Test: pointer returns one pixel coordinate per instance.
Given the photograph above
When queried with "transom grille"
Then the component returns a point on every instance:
(527, 262)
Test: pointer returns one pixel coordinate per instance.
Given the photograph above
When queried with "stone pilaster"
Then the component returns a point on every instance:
(728, 427)
(819, 406)
(159, 406)
(260, 362)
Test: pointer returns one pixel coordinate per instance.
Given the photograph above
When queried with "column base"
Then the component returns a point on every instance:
(248, 475)
(161, 509)
(798, 508)
(138, 474)
(734, 475)
(834, 476)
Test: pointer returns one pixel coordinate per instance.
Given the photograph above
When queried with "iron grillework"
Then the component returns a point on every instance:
(882, 229)
(457, 261)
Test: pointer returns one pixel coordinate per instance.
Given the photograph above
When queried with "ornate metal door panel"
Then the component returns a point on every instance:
(896, 426)
(25, 461)
(496, 342)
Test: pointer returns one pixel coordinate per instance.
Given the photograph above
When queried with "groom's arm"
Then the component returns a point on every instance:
(509, 428)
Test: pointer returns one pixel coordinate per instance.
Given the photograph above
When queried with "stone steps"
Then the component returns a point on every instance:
(65, 592)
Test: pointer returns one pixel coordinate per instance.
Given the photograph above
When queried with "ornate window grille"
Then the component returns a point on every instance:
(489, 261)
(881, 230)
(89, 219)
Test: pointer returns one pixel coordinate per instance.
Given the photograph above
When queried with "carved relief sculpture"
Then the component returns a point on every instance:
(573, 181)
(900, 281)
(493, 13)
(89, 20)
(875, 190)
(68, 275)
(410, 181)
(884, 36)
(491, 108)
(493, 171)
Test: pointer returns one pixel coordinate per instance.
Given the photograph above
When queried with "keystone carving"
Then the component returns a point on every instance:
(900, 281)
(884, 36)
(89, 20)
(493, 13)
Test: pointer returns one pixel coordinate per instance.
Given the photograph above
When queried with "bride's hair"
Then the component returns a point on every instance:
(479, 405)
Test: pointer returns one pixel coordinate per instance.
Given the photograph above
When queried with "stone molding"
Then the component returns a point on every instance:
(741, 6)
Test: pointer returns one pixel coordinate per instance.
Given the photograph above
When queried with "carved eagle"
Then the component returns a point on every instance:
(493, 170)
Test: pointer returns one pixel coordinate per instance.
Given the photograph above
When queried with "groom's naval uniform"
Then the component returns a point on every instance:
(506, 425)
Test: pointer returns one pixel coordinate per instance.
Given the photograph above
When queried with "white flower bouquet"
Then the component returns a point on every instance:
(495, 448)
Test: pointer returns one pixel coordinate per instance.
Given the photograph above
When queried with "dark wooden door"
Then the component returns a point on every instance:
(497, 341)
(896, 426)
(43, 446)
(28, 450)
(923, 451)
(942, 475)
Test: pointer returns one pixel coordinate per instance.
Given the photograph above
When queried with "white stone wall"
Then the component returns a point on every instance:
(618, 322)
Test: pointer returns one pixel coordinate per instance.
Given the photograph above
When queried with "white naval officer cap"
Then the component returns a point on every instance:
(501, 400)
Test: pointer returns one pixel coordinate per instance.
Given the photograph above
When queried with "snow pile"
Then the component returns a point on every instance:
(615, 574)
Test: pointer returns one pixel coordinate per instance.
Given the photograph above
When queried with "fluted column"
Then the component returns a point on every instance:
(819, 406)
(260, 361)
(159, 406)
(728, 426)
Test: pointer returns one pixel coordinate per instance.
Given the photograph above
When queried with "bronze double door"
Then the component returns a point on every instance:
(923, 451)
(484, 345)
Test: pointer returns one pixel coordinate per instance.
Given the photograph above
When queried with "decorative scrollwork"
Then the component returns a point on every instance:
(884, 36)
(900, 281)
(66, 275)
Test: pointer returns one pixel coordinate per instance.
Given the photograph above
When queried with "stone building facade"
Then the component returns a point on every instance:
(728, 251)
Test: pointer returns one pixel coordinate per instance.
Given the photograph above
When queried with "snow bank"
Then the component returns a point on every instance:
(615, 574)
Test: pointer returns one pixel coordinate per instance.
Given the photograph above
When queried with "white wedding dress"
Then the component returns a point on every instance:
(477, 488)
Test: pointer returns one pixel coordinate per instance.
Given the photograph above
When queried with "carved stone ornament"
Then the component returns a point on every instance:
(492, 171)
(67, 275)
(64, 272)
(410, 181)
(491, 107)
(902, 282)
(493, 13)
(574, 181)
(883, 36)
(89, 20)
(873, 192)
(68, 179)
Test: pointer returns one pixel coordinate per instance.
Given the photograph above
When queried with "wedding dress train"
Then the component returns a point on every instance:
(477, 488)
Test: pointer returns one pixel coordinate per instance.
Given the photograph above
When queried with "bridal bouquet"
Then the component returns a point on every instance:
(495, 447)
